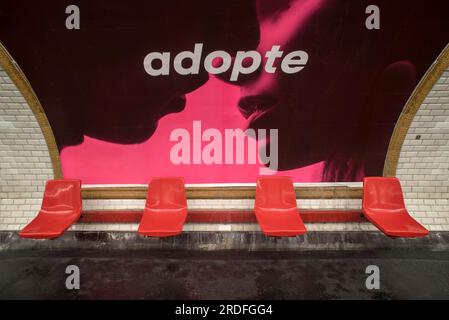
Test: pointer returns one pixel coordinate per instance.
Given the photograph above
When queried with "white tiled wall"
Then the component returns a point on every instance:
(25, 162)
(25, 166)
(236, 204)
(424, 162)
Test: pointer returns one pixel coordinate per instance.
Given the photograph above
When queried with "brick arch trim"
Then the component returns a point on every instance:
(410, 109)
(18, 77)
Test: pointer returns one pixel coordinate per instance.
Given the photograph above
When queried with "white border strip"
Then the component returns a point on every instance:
(211, 185)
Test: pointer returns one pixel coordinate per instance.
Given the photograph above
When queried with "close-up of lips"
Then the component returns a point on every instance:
(252, 108)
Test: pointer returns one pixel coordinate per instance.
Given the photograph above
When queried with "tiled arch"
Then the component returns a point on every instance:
(26, 159)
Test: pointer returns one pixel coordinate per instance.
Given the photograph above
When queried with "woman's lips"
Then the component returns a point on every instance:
(259, 116)
(256, 108)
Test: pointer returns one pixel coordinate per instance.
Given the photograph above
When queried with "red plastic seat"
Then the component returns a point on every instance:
(61, 207)
(166, 208)
(275, 207)
(383, 205)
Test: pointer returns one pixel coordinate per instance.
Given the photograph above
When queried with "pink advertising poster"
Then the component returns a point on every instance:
(224, 91)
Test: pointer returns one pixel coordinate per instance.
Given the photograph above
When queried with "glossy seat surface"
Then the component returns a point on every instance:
(275, 207)
(166, 208)
(61, 207)
(383, 205)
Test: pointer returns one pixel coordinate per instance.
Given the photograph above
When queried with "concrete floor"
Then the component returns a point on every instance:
(123, 274)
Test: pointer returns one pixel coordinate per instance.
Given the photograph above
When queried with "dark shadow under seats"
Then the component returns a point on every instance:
(166, 208)
(61, 207)
(383, 205)
(275, 207)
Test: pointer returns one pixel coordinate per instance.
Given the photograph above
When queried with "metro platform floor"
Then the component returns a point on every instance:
(184, 274)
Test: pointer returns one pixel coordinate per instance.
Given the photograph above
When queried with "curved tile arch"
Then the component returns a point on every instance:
(18, 77)
(410, 109)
